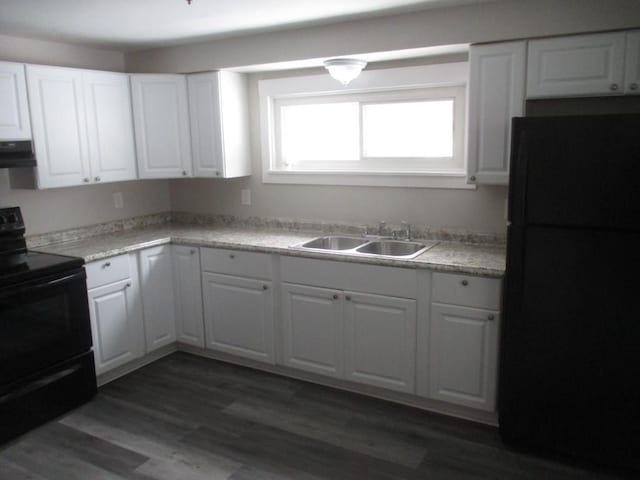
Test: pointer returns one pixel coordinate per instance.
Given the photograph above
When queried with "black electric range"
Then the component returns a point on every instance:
(46, 362)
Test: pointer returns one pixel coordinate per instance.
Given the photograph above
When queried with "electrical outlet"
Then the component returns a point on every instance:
(118, 201)
(245, 196)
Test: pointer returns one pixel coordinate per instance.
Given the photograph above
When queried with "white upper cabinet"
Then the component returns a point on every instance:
(59, 126)
(82, 128)
(218, 108)
(161, 120)
(496, 95)
(14, 109)
(112, 151)
(632, 64)
(576, 66)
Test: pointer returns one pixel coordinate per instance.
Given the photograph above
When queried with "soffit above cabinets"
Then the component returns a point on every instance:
(129, 25)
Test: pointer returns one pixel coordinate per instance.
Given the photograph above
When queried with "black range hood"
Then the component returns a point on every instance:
(18, 153)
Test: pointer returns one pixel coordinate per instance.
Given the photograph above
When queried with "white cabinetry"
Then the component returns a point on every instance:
(313, 338)
(115, 311)
(188, 295)
(463, 345)
(161, 119)
(632, 64)
(218, 110)
(156, 273)
(238, 303)
(496, 95)
(367, 336)
(82, 126)
(576, 65)
(14, 110)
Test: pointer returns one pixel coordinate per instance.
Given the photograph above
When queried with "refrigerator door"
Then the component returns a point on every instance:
(570, 347)
(579, 172)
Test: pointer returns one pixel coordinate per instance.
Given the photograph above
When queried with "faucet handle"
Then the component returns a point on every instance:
(382, 227)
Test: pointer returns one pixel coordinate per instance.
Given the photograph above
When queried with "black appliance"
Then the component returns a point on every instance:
(17, 153)
(46, 362)
(570, 343)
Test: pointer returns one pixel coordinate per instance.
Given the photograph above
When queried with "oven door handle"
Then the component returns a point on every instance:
(49, 282)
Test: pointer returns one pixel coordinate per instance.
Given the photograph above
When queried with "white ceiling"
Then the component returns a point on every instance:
(135, 24)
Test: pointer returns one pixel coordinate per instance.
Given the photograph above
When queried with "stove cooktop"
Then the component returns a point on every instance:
(37, 265)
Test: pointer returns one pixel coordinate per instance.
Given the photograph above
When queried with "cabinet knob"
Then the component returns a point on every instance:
(335, 296)
(217, 173)
(128, 284)
(106, 265)
(633, 86)
(348, 298)
(232, 255)
(85, 179)
(97, 179)
(613, 87)
(265, 287)
(491, 316)
(464, 283)
(192, 251)
(184, 173)
(472, 178)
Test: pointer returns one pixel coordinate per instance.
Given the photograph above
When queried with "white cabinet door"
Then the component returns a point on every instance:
(632, 64)
(463, 355)
(238, 315)
(496, 95)
(313, 329)
(380, 336)
(156, 279)
(59, 126)
(218, 109)
(110, 126)
(116, 324)
(161, 120)
(188, 295)
(576, 65)
(14, 109)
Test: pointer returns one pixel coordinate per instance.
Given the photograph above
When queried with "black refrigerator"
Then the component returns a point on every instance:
(570, 343)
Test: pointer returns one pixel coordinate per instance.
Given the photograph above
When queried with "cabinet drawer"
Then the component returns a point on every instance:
(109, 270)
(354, 277)
(233, 262)
(466, 290)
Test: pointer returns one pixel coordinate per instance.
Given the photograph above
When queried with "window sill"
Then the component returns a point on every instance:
(371, 179)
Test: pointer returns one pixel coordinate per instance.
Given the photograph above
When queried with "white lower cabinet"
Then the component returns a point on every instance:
(380, 340)
(188, 295)
(239, 316)
(312, 329)
(156, 273)
(115, 312)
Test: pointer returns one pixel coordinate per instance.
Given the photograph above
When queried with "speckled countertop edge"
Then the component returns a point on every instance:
(452, 257)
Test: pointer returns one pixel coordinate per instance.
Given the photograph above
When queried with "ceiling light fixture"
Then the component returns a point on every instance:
(344, 69)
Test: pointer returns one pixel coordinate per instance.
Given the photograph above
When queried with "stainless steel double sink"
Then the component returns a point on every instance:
(378, 247)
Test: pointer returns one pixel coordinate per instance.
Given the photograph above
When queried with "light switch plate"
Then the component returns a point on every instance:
(245, 195)
(118, 201)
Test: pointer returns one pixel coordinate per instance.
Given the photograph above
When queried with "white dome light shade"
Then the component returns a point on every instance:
(344, 69)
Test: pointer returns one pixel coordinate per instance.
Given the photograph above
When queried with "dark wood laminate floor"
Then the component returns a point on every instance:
(186, 417)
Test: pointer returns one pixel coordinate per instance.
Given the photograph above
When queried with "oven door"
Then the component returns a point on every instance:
(43, 322)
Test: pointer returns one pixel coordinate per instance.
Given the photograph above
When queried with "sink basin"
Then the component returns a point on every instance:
(334, 243)
(392, 248)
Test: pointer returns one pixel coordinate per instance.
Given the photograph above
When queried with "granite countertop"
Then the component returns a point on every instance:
(476, 259)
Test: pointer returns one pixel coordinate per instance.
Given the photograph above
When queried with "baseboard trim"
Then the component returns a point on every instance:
(118, 372)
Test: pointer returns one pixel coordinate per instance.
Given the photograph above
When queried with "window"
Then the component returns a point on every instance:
(396, 127)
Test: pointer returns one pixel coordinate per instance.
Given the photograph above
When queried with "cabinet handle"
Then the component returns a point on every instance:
(464, 283)
(192, 251)
(128, 284)
(265, 287)
(348, 298)
(106, 265)
(184, 173)
(97, 179)
(232, 256)
(613, 87)
(85, 179)
(633, 86)
(491, 316)
(335, 296)
(217, 173)
(472, 178)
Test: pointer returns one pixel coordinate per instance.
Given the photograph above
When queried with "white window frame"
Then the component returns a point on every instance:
(396, 83)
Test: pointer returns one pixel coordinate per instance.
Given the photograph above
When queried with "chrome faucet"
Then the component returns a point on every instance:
(407, 229)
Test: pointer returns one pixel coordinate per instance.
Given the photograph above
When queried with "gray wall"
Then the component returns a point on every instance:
(61, 208)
